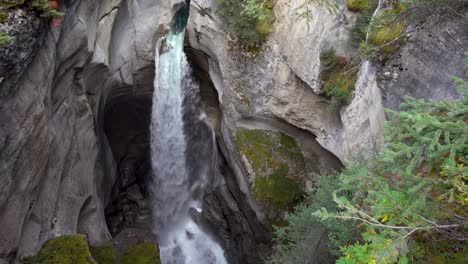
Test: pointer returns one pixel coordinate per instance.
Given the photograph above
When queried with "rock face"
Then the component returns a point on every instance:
(424, 67)
(57, 168)
(75, 99)
(25, 27)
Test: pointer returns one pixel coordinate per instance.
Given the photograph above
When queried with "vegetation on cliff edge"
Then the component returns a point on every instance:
(249, 21)
(408, 204)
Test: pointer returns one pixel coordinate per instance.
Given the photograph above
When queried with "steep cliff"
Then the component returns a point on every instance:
(57, 169)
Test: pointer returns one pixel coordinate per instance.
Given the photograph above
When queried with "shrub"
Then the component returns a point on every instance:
(4, 38)
(145, 253)
(70, 249)
(340, 86)
(250, 21)
(411, 198)
(338, 76)
(386, 30)
(360, 28)
(295, 241)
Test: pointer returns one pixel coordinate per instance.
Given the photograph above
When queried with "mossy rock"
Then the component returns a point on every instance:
(69, 249)
(358, 5)
(104, 254)
(278, 165)
(144, 253)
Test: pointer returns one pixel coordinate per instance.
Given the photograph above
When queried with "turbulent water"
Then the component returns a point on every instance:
(179, 178)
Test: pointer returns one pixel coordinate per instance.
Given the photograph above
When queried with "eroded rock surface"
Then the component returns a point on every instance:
(57, 170)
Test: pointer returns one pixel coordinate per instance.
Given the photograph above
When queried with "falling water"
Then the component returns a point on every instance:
(176, 185)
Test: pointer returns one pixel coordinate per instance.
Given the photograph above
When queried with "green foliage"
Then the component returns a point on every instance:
(42, 6)
(4, 38)
(360, 28)
(359, 5)
(103, 254)
(3, 16)
(145, 253)
(293, 242)
(71, 249)
(250, 21)
(337, 76)
(413, 195)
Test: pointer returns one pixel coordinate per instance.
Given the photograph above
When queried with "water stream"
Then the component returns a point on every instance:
(179, 178)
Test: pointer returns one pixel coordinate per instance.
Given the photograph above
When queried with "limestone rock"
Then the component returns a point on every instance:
(426, 64)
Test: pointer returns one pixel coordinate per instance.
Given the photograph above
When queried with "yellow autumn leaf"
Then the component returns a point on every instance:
(384, 218)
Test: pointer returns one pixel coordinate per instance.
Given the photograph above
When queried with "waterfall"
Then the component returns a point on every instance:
(180, 162)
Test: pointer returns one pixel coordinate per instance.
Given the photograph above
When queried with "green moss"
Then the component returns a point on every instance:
(103, 254)
(358, 5)
(145, 253)
(386, 30)
(70, 249)
(386, 37)
(282, 191)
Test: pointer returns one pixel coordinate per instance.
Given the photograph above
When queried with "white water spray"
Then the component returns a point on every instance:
(181, 240)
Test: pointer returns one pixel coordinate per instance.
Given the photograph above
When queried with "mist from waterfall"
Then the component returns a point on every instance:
(180, 162)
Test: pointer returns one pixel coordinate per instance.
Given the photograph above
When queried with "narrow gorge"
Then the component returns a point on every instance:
(228, 131)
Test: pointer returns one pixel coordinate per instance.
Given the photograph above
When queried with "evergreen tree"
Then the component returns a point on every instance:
(408, 204)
